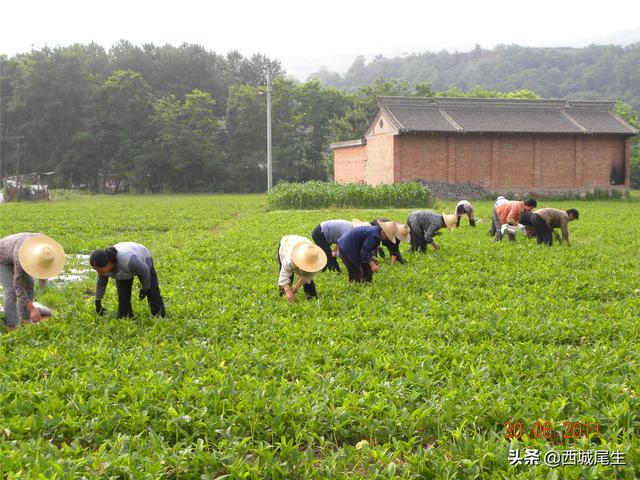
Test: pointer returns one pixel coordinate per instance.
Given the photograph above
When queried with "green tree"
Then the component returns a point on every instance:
(189, 142)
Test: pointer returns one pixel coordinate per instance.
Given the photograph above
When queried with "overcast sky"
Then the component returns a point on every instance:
(305, 35)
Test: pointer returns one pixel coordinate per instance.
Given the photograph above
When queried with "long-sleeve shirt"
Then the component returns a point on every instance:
(334, 229)
(9, 251)
(358, 244)
(425, 223)
(556, 218)
(509, 212)
(287, 267)
(132, 260)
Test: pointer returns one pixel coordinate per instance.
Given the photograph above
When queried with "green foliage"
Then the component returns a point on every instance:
(320, 195)
(592, 73)
(410, 377)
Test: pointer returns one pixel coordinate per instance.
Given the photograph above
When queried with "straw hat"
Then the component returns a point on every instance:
(450, 220)
(41, 257)
(308, 257)
(359, 223)
(390, 228)
(403, 232)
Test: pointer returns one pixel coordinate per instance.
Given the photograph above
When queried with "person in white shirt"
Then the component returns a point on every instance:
(298, 256)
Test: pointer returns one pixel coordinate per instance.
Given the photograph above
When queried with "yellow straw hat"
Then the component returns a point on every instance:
(390, 228)
(41, 257)
(308, 257)
(450, 220)
(403, 232)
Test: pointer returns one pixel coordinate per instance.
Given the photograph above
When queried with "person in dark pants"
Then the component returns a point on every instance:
(424, 224)
(402, 235)
(356, 247)
(326, 234)
(123, 261)
(298, 256)
(546, 219)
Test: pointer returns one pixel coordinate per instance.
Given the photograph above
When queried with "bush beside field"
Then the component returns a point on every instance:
(315, 195)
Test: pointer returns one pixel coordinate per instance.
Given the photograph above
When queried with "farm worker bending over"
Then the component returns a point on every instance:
(356, 247)
(123, 261)
(23, 257)
(424, 224)
(465, 208)
(495, 225)
(297, 255)
(327, 234)
(402, 235)
(546, 219)
(509, 213)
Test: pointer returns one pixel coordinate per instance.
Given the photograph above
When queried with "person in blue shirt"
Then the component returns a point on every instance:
(357, 246)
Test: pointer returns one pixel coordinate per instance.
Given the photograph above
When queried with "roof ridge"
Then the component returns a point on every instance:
(451, 121)
(574, 121)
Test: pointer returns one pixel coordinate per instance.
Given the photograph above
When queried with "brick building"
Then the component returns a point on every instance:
(503, 145)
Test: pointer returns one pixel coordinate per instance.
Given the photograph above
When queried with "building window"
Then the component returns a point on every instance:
(381, 123)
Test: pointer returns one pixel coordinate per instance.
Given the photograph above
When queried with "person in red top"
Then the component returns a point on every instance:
(509, 212)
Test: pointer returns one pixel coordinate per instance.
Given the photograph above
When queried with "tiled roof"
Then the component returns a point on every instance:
(488, 115)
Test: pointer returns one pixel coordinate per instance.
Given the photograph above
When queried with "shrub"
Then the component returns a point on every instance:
(315, 194)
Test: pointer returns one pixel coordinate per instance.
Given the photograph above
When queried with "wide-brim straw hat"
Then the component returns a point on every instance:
(359, 223)
(308, 257)
(390, 229)
(450, 220)
(41, 257)
(403, 232)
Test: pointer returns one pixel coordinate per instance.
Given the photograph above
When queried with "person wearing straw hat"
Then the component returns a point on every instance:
(123, 261)
(423, 225)
(23, 257)
(357, 246)
(464, 207)
(326, 234)
(402, 235)
(298, 256)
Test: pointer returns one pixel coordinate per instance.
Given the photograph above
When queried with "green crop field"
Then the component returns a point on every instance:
(413, 376)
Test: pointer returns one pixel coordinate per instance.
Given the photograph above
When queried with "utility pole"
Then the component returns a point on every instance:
(269, 165)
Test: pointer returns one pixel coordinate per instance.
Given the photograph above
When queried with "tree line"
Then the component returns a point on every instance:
(179, 119)
(596, 72)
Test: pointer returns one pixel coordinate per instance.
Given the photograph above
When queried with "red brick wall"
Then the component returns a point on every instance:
(381, 155)
(350, 164)
(512, 162)
(423, 156)
(499, 162)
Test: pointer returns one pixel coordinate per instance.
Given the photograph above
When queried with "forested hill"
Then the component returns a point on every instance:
(592, 73)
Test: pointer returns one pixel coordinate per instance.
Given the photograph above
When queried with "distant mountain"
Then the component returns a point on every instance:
(596, 72)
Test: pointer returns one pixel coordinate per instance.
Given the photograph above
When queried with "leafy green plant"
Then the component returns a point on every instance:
(317, 195)
(410, 377)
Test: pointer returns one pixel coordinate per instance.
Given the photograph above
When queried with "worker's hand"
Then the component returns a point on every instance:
(374, 266)
(34, 315)
(334, 253)
(143, 293)
(99, 309)
(290, 295)
(394, 259)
